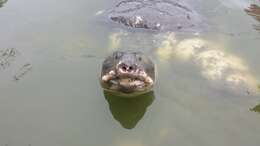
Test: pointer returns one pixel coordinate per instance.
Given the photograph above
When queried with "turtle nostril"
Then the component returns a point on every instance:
(130, 68)
(127, 68)
(124, 68)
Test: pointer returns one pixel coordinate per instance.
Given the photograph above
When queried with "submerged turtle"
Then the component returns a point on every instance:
(155, 15)
(133, 73)
(128, 73)
(164, 19)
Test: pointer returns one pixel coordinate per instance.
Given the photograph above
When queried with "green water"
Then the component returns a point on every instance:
(58, 100)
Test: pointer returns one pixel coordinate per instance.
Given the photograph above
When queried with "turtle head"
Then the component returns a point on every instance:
(127, 73)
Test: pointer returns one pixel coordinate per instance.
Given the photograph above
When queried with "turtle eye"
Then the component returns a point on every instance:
(117, 55)
(140, 58)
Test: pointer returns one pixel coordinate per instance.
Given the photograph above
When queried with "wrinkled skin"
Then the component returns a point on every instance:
(127, 73)
(155, 15)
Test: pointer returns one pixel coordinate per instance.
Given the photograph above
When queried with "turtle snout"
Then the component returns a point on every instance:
(127, 68)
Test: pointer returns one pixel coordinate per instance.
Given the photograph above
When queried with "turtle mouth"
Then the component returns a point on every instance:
(127, 82)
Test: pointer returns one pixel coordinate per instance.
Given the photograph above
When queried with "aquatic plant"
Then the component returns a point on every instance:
(256, 108)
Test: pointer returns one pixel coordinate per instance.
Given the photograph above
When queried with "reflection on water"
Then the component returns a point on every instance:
(215, 64)
(2, 2)
(129, 111)
(254, 11)
(256, 108)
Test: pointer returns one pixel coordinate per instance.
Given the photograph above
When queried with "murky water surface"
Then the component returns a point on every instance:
(207, 88)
